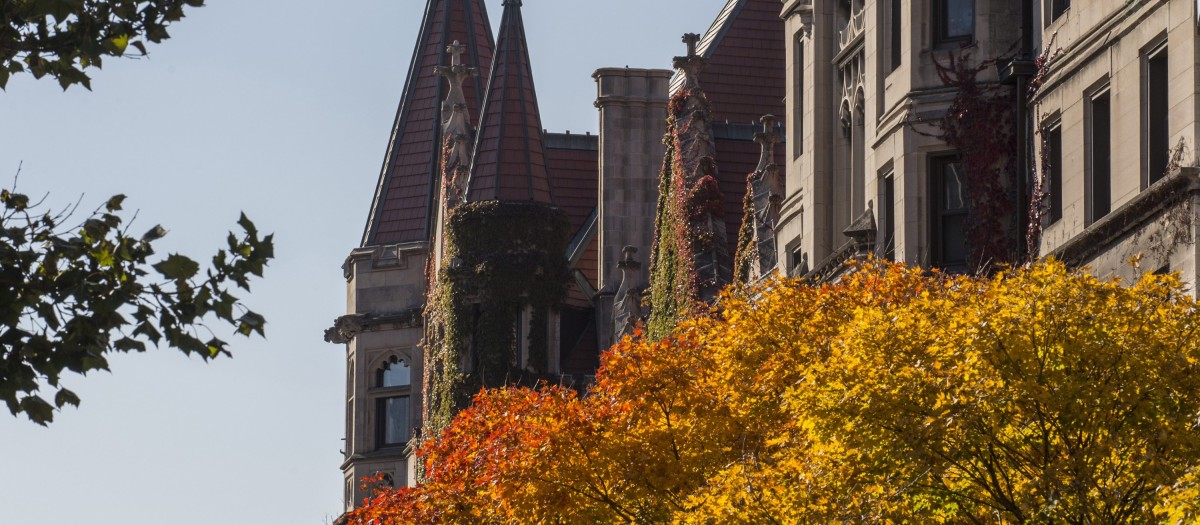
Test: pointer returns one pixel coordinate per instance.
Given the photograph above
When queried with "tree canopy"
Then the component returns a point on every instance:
(1040, 395)
(63, 38)
(70, 294)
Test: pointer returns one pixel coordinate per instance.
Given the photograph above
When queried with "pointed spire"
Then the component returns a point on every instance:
(403, 208)
(510, 162)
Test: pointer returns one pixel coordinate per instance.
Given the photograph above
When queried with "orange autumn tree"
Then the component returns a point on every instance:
(1037, 396)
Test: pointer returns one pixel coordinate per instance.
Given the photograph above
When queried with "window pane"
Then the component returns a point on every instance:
(897, 41)
(393, 418)
(955, 189)
(395, 374)
(954, 242)
(1158, 132)
(1101, 183)
(959, 18)
(1055, 189)
(1058, 7)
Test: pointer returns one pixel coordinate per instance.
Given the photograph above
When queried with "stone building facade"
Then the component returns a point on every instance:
(861, 76)
(829, 112)
(1100, 138)
(605, 185)
(1118, 112)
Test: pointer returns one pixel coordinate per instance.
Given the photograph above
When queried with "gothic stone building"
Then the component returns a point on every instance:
(466, 82)
(1093, 148)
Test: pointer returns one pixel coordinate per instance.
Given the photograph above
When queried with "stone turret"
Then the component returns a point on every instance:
(386, 280)
(493, 314)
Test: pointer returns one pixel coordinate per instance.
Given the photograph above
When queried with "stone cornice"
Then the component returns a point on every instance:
(1131, 216)
(347, 327)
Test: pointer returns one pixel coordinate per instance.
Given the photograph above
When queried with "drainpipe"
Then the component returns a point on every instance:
(1017, 72)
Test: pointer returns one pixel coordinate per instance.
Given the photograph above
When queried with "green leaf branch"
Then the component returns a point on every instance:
(70, 296)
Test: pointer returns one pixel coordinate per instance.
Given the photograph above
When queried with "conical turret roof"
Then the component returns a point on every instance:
(510, 160)
(405, 196)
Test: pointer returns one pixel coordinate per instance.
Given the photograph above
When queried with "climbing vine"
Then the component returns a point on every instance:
(979, 124)
(689, 223)
(747, 248)
(500, 258)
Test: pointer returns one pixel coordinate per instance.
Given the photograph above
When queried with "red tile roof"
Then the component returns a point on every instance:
(745, 79)
(510, 162)
(574, 164)
(404, 198)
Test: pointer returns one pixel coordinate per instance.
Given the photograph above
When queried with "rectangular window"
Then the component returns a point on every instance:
(1054, 184)
(888, 196)
(953, 21)
(950, 207)
(1099, 187)
(1058, 7)
(393, 421)
(897, 40)
(798, 98)
(1155, 117)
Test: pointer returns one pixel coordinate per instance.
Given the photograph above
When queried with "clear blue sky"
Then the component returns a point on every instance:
(281, 108)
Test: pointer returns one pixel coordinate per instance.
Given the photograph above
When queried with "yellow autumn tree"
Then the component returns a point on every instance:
(1040, 395)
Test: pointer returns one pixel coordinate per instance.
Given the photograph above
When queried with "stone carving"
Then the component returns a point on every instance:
(862, 232)
(345, 329)
(456, 129)
(627, 306)
(767, 196)
(691, 65)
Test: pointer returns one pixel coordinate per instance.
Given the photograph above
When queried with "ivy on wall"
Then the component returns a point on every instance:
(747, 248)
(500, 257)
(980, 125)
(689, 258)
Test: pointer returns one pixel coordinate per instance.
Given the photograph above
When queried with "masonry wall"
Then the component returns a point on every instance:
(633, 114)
(841, 76)
(1101, 48)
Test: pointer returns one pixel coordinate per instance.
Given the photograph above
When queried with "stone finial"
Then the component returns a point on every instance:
(692, 64)
(627, 304)
(691, 39)
(456, 73)
(456, 50)
(767, 138)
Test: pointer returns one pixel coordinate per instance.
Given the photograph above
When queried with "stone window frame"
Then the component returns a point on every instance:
(377, 396)
(889, 231)
(938, 212)
(1151, 52)
(940, 25)
(1100, 89)
(1052, 126)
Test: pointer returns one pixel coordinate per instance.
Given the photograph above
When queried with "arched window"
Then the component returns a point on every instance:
(393, 381)
(393, 373)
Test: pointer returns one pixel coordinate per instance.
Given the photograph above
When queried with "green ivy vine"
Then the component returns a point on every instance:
(500, 257)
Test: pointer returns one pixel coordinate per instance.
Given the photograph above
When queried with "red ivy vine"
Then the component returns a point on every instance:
(980, 124)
